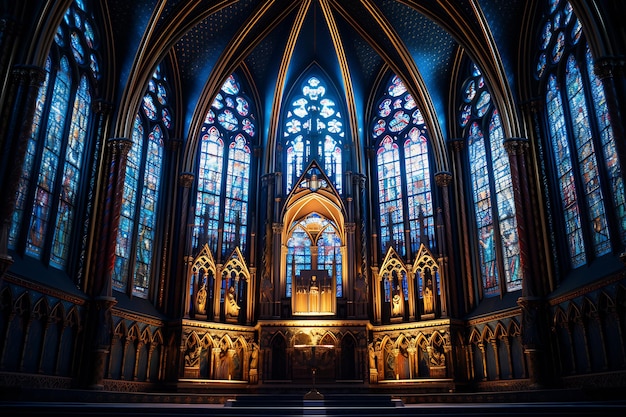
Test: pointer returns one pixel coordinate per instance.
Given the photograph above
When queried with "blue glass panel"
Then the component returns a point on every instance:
(546, 35)
(418, 185)
(29, 160)
(298, 255)
(149, 108)
(608, 145)
(479, 173)
(77, 48)
(237, 184)
(396, 125)
(559, 47)
(399, 121)
(71, 174)
(125, 235)
(586, 157)
(396, 87)
(329, 258)
(147, 212)
(209, 189)
(50, 160)
(505, 204)
(562, 156)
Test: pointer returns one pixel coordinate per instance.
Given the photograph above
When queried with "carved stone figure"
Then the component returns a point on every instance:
(232, 309)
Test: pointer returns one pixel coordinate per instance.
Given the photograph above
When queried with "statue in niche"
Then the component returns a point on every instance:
(397, 303)
(372, 355)
(201, 300)
(254, 357)
(428, 297)
(232, 308)
(314, 294)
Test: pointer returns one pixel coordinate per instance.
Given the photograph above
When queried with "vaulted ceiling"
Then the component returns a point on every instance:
(351, 41)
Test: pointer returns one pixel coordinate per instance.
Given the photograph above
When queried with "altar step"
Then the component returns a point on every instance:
(339, 406)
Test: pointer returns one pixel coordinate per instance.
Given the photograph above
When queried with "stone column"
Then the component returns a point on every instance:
(349, 262)
(279, 287)
(467, 284)
(531, 303)
(377, 296)
(102, 111)
(116, 159)
(185, 181)
(448, 289)
(100, 317)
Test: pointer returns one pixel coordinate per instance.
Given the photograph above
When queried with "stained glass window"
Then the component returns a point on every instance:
(578, 127)
(46, 209)
(491, 187)
(224, 166)
(403, 169)
(313, 130)
(137, 238)
(607, 141)
(314, 233)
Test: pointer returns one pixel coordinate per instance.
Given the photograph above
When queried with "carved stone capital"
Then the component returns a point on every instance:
(443, 178)
(186, 179)
(516, 146)
(119, 146)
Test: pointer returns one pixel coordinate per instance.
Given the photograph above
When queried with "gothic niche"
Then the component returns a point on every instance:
(314, 249)
(219, 300)
(408, 292)
(224, 359)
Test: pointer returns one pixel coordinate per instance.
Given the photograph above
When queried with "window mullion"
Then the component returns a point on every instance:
(495, 215)
(405, 202)
(224, 177)
(132, 253)
(60, 173)
(581, 196)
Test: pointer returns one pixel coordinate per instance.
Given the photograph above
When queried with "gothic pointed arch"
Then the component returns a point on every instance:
(400, 137)
(428, 282)
(224, 170)
(393, 287)
(314, 217)
(312, 130)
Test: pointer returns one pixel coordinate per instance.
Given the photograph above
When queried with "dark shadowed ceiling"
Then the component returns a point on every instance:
(351, 40)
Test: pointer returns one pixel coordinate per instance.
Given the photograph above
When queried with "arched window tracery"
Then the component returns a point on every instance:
(46, 213)
(313, 129)
(491, 189)
(401, 140)
(137, 237)
(224, 165)
(584, 180)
